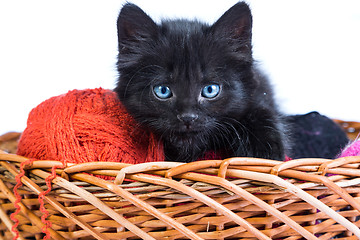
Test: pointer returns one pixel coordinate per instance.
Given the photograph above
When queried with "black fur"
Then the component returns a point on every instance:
(186, 56)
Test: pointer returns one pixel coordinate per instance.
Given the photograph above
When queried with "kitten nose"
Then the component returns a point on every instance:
(187, 118)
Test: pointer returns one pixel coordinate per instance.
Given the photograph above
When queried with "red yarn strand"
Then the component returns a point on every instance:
(18, 197)
(43, 210)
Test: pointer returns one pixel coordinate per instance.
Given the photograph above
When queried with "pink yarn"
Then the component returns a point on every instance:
(352, 150)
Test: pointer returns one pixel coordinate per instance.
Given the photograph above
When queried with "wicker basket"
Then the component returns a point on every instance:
(238, 198)
(352, 128)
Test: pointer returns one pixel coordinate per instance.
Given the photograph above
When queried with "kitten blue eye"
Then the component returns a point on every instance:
(210, 91)
(162, 91)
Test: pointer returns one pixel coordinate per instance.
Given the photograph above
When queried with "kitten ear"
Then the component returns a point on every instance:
(134, 24)
(235, 24)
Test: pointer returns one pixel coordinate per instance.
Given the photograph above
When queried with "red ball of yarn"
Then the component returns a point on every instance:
(87, 126)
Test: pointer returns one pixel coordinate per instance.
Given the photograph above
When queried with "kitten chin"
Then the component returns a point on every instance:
(196, 85)
(185, 148)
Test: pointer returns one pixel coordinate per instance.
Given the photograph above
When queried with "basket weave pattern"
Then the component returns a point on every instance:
(238, 198)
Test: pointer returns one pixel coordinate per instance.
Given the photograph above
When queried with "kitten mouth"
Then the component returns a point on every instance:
(185, 135)
(188, 129)
(184, 139)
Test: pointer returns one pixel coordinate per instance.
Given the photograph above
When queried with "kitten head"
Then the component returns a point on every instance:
(185, 79)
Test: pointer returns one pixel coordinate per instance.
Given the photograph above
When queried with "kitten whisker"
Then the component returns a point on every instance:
(220, 138)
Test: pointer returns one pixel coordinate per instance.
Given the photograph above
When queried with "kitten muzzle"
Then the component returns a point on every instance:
(188, 119)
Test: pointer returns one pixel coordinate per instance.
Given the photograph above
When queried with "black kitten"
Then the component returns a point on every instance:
(196, 85)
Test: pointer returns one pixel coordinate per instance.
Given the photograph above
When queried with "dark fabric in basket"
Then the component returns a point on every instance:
(315, 135)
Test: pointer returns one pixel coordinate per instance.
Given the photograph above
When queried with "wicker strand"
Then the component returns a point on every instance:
(301, 194)
(203, 198)
(13, 216)
(248, 196)
(58, 206)
(338, 190)
(237, 190)
(8, 223)
(97, 203)
(323, 168)
(143, 167)
(139, 203)
(26, 211)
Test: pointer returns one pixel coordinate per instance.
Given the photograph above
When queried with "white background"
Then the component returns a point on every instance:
(309, 48)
